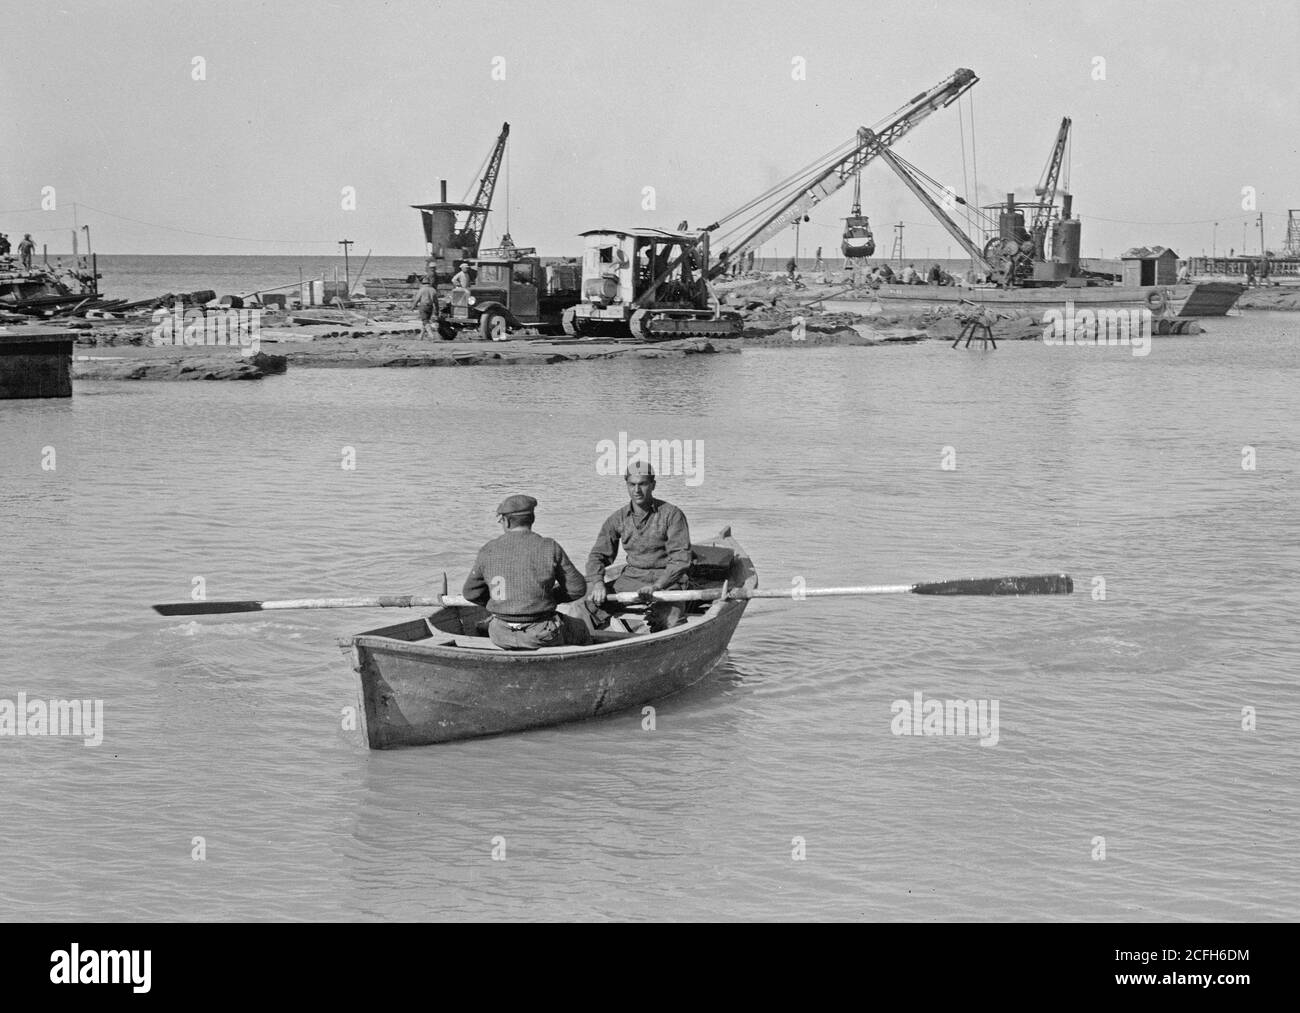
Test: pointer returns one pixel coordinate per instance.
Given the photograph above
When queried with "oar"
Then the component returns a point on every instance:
(1053, 583)
(204, 608)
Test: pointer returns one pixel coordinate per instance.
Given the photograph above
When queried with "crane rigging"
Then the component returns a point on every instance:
(1012, 253)
(833, 173)
(1046, 190)
(653, 285)
(454, 232)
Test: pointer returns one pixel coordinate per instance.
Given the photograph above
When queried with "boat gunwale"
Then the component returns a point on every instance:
(455, 653)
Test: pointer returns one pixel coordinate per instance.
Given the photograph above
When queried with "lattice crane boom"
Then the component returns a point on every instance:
(830, 179)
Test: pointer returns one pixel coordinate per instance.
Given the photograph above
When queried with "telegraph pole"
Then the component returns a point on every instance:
(1261, 233)
(347, 281)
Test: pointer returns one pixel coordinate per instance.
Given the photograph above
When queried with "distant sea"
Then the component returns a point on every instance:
(142, 276)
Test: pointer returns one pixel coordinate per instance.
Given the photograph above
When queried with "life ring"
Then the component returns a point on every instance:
(1156, 300)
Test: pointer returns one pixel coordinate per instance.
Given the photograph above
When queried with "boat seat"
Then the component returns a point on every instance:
(478, 643)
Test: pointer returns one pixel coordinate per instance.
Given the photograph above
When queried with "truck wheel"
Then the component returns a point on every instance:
(493, 326)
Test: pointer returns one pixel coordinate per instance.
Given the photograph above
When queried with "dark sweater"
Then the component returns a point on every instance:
(522, 576)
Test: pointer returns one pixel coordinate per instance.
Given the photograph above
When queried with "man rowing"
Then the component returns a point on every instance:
(521, 577)
(657, 541)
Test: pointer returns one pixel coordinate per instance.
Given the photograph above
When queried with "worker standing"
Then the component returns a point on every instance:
(426, 301)
(25, 250)
(818, 266)
(461, 278)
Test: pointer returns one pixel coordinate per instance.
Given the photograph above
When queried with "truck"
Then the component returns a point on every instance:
(511, 290)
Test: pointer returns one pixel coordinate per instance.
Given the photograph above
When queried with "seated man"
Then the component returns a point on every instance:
(521, 577)
(655, 536)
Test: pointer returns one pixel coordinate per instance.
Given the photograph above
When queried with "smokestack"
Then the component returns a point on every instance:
(1011, 203)
(444, 190)
(1067, 201)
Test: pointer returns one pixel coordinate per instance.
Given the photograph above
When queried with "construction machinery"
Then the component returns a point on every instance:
(511, 291)
(1044, 253)
(649, 284)
(453, 232)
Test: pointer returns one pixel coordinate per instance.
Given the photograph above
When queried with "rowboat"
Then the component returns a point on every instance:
(439, 679)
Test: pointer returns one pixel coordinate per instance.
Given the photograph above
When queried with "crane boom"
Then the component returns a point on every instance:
(866, 146)
(476, 222)
(1046, 191)
(973, 251)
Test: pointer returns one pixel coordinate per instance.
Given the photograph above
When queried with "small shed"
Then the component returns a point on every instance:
(1154, 265)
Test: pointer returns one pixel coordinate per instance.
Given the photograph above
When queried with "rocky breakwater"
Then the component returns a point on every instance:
(362, 350)
(139, 364)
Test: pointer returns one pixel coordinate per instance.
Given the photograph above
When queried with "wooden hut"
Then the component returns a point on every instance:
(1154, 265)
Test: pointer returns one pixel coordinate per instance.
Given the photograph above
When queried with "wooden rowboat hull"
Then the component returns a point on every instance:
(420, 685)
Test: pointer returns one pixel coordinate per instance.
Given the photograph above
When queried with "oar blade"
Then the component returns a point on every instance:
(1050, 583)
(206, 608)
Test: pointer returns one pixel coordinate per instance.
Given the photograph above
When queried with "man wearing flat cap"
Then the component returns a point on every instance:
(521, 577)
(657, 541)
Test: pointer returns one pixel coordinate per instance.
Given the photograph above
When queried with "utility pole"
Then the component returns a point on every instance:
(1261, 233)
(898, 244)
(1214, 242)
(347, 282)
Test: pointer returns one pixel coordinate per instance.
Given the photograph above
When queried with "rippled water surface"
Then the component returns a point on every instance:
(1120, 718)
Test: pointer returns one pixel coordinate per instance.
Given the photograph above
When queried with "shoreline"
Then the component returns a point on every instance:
(777, 314)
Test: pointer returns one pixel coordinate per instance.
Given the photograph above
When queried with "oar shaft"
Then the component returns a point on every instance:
(380, 601)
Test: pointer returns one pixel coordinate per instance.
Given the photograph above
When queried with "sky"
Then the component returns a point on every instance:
(235, 127)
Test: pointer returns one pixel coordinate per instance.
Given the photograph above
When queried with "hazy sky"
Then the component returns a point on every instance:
(696, 99)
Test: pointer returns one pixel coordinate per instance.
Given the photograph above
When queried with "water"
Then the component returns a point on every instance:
(132, 277)
(1119, 718)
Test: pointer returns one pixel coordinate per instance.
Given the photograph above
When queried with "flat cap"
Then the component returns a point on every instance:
(638, 468)
(517, 505)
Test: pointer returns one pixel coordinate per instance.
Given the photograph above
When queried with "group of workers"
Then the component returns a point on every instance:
(535, 596)
(26, 249)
